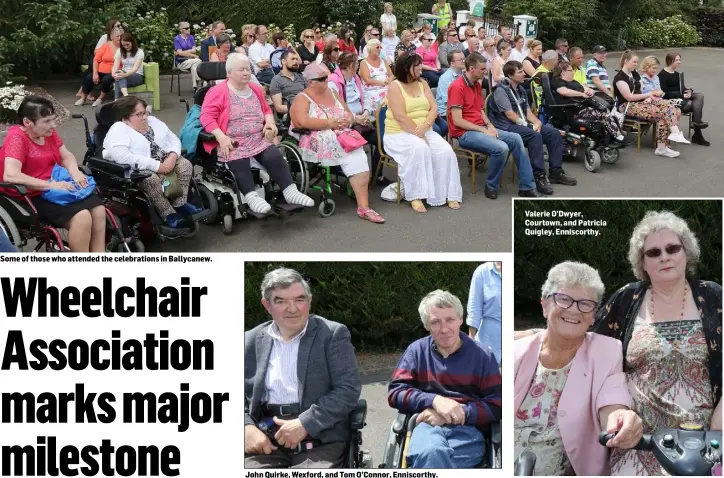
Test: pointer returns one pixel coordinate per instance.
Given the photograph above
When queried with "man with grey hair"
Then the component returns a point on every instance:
(562, 49)
(186, 58)
(452, 383)
(301, 381)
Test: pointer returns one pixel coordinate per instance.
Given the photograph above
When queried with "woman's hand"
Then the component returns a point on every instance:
(166, 167)
(588, 93)
(96, 79)
(79, 178)
(687, 94)
(270, 131)
(62, 185)
(225, 146)
(628, 426)
(658, 93)
(337, 124)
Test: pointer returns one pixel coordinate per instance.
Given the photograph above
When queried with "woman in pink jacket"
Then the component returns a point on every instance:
(570, 384)
(240, 119)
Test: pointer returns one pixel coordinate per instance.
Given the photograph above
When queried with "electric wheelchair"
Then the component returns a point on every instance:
(395, 452)
(588, 137)
(218, 184)
(118, 185)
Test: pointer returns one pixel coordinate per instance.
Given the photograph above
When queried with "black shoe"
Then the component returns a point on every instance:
(560, 177)
(542, 184)
(700, 125)
(699, 139)
(529, 193)
(491, 193)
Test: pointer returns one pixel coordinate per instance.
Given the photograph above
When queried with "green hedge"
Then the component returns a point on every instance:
(710, 24)
(534, 256)
(377, 300)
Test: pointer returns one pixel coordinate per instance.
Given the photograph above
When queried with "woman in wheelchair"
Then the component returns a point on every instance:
(322, 112)
(566, 89)
(146, 143)
(237, 114)
(27, 157)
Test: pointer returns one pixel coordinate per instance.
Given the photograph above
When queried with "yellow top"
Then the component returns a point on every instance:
(444, 14)
(580, 75)
(416, 107)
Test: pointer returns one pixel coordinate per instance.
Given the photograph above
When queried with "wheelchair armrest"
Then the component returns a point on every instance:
(301, 131)
(495, 433)
(19, 188)
(358, 415)
(398, 426)
(206, 136)
(85, 170)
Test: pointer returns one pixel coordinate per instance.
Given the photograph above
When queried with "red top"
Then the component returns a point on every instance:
(343, 46)
(320, 45)
(469, 97)
(105, 56)
(37, 160)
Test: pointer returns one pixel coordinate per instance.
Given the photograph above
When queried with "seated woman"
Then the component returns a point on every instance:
(320, 110)
(330, 55)
(431, 69)
(235, 110)
(569, 384)
(406, 45)
(30, 151)
(565, 87)
(102, 69)
(128, 65)
(670, 326)
(146, 143)
(346, 42)
(376, 75)
(223, 48)
(504, 51)
(646, 106)
(247, 38)
(673, 86)
(428, 166)
(308, 51)
(111, 24)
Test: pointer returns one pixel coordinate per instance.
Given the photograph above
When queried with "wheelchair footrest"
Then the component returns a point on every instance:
(288, 208)
(174, 232)
(198, 216)
(255, 214)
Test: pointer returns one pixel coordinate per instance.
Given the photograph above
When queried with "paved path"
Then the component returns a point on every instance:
(481, 225)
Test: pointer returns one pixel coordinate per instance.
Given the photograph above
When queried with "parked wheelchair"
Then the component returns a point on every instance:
(588, 138)
(118, 185)
(394, 454)
(217, 182)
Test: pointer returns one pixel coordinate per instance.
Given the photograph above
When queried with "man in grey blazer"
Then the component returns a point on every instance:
(301, 381)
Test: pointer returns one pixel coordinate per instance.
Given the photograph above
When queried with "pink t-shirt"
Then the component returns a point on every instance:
(429, 57)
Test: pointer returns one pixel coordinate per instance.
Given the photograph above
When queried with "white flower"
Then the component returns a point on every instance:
(196, 26)
(202, 23)
(176, 25)
(163, 9)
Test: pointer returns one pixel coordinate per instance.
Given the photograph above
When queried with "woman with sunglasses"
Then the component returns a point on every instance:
(431, 69)
(319, 40)
(406, 44)
(308, 51)
(569, 383)
(330, 55)
(247, 39)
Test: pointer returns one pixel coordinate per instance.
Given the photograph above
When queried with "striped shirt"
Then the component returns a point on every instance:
(469, 376)
(281, 384)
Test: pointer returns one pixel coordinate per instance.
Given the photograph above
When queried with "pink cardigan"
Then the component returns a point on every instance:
(216, 107)
(596, 379)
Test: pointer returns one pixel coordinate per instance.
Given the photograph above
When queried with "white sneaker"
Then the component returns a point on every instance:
(679, 138)
(669, 153)
(97, 102)
(80, 102)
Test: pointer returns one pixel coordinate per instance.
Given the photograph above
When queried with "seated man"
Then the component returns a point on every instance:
(300, 381)
(549, 59)
(597, 75)
(184, 46)
(287, 84)
(474, 131)
(579, 73)
(509, 111)
(452, 383)
(456, 59)
(207, 44)
(260, 52)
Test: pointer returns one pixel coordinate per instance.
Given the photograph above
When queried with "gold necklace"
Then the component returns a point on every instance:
(679, 330)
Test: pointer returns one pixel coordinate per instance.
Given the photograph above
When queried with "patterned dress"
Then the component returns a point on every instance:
(323, 146)
(246, 125)
(375, 94)
(536, 422)
(668, 381)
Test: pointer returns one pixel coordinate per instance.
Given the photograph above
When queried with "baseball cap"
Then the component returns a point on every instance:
(599, 49)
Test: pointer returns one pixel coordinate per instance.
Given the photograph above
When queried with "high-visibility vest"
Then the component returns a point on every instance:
(445, 15)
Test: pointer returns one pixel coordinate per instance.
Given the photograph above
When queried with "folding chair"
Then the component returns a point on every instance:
(476, 159)
(385, 159)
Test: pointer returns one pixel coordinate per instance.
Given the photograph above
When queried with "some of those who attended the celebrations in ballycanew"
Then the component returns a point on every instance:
(666, 331)
(454, 385)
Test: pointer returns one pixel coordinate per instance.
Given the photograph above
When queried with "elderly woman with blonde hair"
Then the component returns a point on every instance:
(376, 75)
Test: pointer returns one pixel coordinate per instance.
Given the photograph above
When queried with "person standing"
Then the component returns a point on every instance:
(485, 307)
(444, 11)
(388, 21)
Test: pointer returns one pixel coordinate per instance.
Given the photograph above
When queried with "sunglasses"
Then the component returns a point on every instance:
(309, 36)
(374, 34)
(335, 49)
(566, 302)
(322, 79)
(470, 36)
(185, 28)
(671, 249)
(452, 34)
(427, 39)
(318, 32)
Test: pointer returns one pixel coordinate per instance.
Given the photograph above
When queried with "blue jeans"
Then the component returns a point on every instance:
(534, 142)
(448, 446)
(432, 77)
(5, 244)
(498, 151)
(440, 126)
(130, 81)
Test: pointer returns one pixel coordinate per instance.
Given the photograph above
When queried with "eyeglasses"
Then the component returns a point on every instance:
(335, 49)
(251, 36)
(671, 249)
(452, 34)
(309, 37)
(374, 34)
(321, 79)
(566, 302)
(185, 28)
(470, 35)
(427, 39)
(318, 32)
(140, 114)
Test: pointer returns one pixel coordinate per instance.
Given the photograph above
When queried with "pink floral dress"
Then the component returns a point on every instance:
(323, 146)
(536, 422)
(668, 381)
(246, 125)
(375, 94)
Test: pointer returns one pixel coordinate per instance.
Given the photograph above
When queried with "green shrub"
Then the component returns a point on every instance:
(534, 256)
(154, 35)
(666, 33)
(378, 301)
(710, 24)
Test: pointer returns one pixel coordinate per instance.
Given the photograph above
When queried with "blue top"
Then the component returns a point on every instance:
(649, 84)
(180, 44)
(485, 308)
(441, 93)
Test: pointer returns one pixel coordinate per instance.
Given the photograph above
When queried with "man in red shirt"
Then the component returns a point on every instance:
(471, 127)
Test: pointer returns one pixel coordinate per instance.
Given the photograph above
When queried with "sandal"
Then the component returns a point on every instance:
(370, 215)
(418, 206)
(453, 205)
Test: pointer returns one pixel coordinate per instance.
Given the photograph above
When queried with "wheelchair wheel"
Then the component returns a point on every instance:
(610, 155)
(228, 225)
(7, 225)
(592, 160)
(298, 168)
(209, 201)
(326, 208)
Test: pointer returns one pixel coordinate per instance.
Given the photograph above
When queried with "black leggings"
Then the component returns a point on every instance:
(696, 106)
(106, 82)
(272, 160)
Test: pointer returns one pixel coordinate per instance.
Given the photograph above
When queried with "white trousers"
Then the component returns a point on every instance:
(191, 64)
(428, 168)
